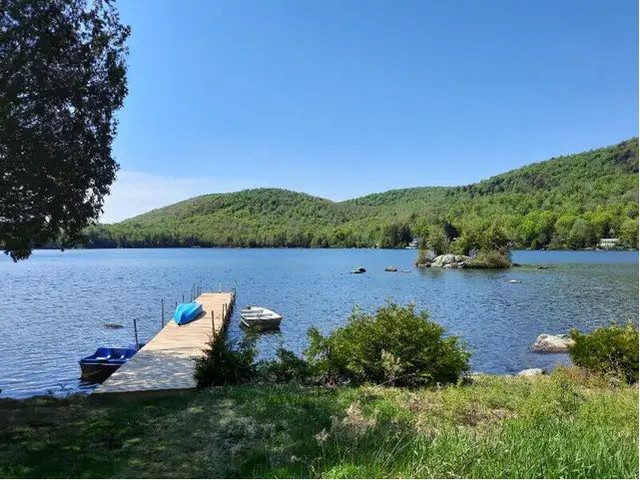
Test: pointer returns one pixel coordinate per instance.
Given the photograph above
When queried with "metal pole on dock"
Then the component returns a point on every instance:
(135, 329)
(162, 313)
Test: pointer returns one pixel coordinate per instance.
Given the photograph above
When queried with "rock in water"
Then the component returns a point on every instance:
(547, 343)
(390, 269)
(530, 372)
(113, 326)
(449, 260)
(359, 270)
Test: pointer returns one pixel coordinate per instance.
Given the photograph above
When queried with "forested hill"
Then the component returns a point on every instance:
(569, 201)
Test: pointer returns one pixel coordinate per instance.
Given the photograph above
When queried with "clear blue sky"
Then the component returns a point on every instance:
(343, 98)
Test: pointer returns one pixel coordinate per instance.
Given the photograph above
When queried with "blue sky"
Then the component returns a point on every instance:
(344, 98)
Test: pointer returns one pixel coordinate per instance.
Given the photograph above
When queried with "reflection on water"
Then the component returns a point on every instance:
(53, 307)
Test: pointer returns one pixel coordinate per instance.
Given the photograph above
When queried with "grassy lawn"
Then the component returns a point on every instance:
(564, 425)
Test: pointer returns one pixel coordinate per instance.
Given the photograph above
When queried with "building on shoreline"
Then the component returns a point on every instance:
(609, 243)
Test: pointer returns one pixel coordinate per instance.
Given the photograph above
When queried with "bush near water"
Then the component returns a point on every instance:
(611, 350)
(395, 346)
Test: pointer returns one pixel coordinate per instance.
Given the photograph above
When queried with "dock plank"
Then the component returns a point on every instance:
(166, 362)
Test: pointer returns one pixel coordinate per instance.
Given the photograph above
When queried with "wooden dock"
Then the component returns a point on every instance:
(166, 362)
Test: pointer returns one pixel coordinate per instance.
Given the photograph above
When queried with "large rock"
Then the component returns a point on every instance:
(547, 343)
(450, 260)
(530, 372)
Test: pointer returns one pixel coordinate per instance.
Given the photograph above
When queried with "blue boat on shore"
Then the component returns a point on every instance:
(106, 360)
(187, 312)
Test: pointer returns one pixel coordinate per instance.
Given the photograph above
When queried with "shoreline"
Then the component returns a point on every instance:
(322, 248)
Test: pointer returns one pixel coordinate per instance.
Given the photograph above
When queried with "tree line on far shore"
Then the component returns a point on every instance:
(568, 202)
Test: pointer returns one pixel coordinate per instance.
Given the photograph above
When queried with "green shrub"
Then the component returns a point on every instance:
(224, 365)
(286, 368)
(609, 350)
(395, 346)
(489, 259)
(423, 258)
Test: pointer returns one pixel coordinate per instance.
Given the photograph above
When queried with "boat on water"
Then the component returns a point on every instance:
(260, 317)
(187, 312)
(106, 360)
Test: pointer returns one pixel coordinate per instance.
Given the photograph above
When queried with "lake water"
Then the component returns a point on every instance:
(53, 307)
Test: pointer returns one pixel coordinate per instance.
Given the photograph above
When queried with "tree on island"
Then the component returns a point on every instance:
(62, 79)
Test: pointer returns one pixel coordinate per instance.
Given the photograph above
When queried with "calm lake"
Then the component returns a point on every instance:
(53, 307)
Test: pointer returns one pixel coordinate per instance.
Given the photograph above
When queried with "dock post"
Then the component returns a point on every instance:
(135, 329)
(183, 298)
(162, 313)
(213, 324)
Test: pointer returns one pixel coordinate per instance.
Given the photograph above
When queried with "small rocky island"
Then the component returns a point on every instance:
(492, 259)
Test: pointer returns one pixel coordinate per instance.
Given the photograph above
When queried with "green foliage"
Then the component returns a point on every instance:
(582, 234)
(609, 350)
(565, 202)
(438, 241)
(423, 258)
(480, 236)
(62, 79)
(395, 346)
(286, 368)
(224, 365)
(490, 259)
(395, 236)
(629, 232)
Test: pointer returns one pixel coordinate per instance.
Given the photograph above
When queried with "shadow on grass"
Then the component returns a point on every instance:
(231, 431)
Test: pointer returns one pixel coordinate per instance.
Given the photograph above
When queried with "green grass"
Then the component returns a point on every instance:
(564, 425)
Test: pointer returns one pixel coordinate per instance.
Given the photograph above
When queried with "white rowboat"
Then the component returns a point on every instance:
(260, 317)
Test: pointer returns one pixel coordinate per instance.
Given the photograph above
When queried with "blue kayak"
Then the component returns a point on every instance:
(187, 312)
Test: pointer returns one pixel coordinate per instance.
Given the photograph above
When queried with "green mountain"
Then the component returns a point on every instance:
(569, 201)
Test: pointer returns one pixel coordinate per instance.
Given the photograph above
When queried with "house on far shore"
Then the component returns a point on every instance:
(608, 242)
(413, 245)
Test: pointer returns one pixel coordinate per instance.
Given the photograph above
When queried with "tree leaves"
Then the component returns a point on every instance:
(63, 76)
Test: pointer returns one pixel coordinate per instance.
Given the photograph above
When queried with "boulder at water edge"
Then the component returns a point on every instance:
(530, 372)
(547, 343)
